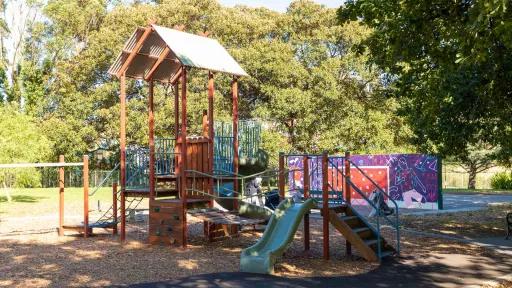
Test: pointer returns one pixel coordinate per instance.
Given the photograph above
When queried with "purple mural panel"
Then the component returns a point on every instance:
(409, 179)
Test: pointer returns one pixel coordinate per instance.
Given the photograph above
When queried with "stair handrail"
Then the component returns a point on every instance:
(395, 225)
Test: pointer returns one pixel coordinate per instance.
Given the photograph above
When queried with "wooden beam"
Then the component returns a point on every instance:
(306, 179)
(176, 77)
(348, 196)
(211, 132)
(85, 176)
(183, 164)
(159, 61)
(61, 196)
(234, 91)
(122, 148)
(176, 111)
(325, 205)
(133, 53)
(151, 124)
(281, 176)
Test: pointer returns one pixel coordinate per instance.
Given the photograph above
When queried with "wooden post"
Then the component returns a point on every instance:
(114, 208)
(281, 178)
(205, 123)
(211, 132)
(61, 196)
(306, 196)
(122, 147)
(151, 124)
(183, 164)
(348, 195)
(85, 176)
(325, 204)
(234, 91)
(176, 110)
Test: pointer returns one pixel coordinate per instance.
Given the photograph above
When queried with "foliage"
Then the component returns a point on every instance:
(448, 63)
(22, 140)
(306, 81)
(502, 180)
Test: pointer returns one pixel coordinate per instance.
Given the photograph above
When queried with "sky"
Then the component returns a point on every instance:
(277, 5)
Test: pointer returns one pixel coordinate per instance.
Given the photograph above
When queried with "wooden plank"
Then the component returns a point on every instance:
(234, 91)
(348, 196)
(184, 154)
(352, 237)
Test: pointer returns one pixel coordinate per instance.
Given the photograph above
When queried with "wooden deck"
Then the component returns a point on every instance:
(220, 217)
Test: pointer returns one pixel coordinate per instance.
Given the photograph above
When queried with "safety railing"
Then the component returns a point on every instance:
(165, 156)
(395, 223)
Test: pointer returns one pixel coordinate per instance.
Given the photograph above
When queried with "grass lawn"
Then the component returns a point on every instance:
(476, 191)
(45, 201)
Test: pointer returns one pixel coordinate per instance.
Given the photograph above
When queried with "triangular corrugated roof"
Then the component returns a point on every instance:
(185, 49)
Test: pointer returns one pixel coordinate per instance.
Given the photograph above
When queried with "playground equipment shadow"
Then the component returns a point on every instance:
(436, 270)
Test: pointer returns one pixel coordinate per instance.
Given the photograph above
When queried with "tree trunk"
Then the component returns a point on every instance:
(472, 176)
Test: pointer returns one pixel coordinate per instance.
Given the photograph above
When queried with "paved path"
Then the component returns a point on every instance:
(432, 270)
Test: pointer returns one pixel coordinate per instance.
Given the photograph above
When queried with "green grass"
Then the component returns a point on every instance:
(476, 191)
(45, 201)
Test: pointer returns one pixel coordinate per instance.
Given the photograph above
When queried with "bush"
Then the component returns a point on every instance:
(502, 180)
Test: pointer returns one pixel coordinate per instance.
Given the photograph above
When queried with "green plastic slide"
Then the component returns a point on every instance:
(261, 257)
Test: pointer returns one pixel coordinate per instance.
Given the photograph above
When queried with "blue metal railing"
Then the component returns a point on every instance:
(165, 156)
(394, 224)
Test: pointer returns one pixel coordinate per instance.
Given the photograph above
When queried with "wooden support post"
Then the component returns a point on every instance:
(61, 196)
(205, 123)
(348, 195)
(306, 196)
(85, 176)
(281, 176)
(114, 208)
(211, 132)
(183, 162)
(234, 91)
(151, 124)
(122, 147)
(176, 110)
(325, 204)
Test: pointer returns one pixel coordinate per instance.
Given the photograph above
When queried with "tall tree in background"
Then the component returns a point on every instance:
(450, 65)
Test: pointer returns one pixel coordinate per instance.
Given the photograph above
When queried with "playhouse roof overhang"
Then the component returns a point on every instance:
(158, 53)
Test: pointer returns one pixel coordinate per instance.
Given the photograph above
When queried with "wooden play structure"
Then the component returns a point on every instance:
(180, 168)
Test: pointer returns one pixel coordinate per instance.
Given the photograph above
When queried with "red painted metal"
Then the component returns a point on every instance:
(234, 91)
(85, 176)
(114, 208)
(151, 124)
(122, 144)
(325, 205)
(348, 196)
(306, 196)
(183, 159)
(61, 197)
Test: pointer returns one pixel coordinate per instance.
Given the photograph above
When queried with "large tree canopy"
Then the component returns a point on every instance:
(306, 82)
(450, 65)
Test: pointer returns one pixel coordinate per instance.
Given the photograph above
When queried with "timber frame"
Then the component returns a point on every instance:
(139, 61)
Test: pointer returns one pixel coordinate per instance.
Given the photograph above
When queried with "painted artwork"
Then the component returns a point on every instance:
(409, 179)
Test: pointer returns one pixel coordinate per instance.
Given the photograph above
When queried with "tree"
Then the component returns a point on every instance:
(21, 141)
(448, 63)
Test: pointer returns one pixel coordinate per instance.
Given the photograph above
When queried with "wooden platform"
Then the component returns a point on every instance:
(220, 217)
(144, 192)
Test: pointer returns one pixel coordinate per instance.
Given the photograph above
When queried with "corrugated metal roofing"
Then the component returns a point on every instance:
(186, 49)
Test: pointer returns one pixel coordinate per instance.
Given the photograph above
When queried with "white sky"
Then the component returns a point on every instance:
(277, 5)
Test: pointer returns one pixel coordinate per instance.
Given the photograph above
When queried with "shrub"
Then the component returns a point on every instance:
(502, 180)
